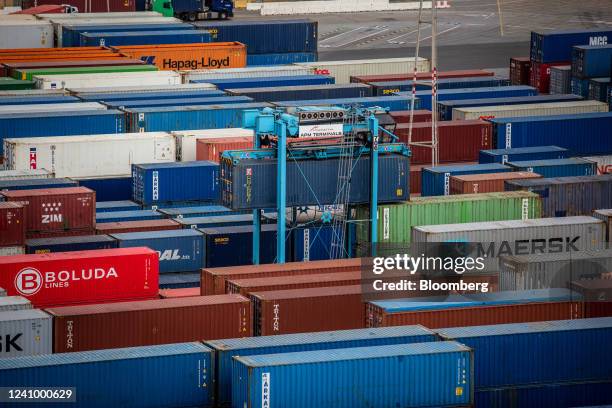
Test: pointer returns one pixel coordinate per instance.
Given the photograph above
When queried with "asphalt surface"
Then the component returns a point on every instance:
(471, 33)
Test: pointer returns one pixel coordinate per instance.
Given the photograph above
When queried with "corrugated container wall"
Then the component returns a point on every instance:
(68, 244)
(22, 33)
(392, 103)
(25, 333)
(121, 38)
(71, 34)
(131, 215)
(591, 61)
(436, 180)
(606, 216)
(519, 70)
(108, 189)
(560, 79)
(407, 76)
(557, 167)
(106, 80)
(119, 227)
(486, 183)
(202, 75)
(262, 82)
(522, 153)
(186, 141)
(211, 149)
(472, 93)
(598, 89)
(393, 87)
(544, 109)
(25, 174)
(111, 206)
(233, 245)
(287, 93)
(12, 224)
(539, 75)
(12, 303)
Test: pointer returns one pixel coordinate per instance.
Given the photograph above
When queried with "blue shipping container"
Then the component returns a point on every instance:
(590, 61)
(598, 89)
(436, 374)
(179, 280)
(568, 196)
(37, 100)
(284, 93)
(522, 153)
(67, 244)
(32, 184)
(178, 250)
(314, 243)
(129, 215)
(226, 350)
(260, 60)
(580, 87)
(151, 103)
(557, 167)
(13, 125)
(216, 221)
(181, 181)
(119, 38)
(473, 93)
(435, 181)
(110, 206)
(173, 375)
(108, 97)
(561, 350)
(196, 211)
(556, 46)
(583, 134)
(266, 36)
(392, 102)
(71, 34)
(445, 108)
(258, 82)
(109, 189)
(166, 119)
(393, 87)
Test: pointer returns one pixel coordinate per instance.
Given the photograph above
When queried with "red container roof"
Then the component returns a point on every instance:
(60, 256)
(46, 192)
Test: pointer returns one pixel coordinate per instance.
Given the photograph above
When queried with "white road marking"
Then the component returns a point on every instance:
(356, 39)
(394, 40)
(341, 34)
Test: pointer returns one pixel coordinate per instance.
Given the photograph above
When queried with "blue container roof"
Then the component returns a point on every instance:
(467, 167)
(549, 162)
(145, 33)
(520, 150)
(196, 209)
(318, 337)
(441, 80)
(252, 22)
(180, 233)
(204, 93)
(235, 229)
(573, 31)
(69, 240)
(562, 180)
(19, 100)
(35, 182)
(592, 115)
(342, 101)
(133, 103)
(253, 105)
(356, 353)
(495, 101)
(126, 214)
(27, 115)
(272, 89)
(525, 328)
(594, 47)
(85, 357)
(215, 219)
(174, 165)
(471, 90)
(114, 204)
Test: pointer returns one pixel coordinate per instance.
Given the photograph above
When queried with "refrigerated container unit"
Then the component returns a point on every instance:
(69, 244)
(25, 33)
(584, 134)
(112, 206)
(198, 211)
(522, 154)
(30, 74)
(202, 75)
(606, 216)
(186, 140)
(392, 102)
(12, 224)
(136, 226)
(283, 93)
(571, 167)
(544, 109)
(486, 183)
(591, 61)
(519, 70)
(260, 82)
(393, 87)
(170, 118)
(580, 87)
(12, 303)
(568, 196)
(180, 280)
(556, 45)
(178, 250)
(129, 215)
(539, 74)
(150, 95)
(33, 184)
(560, 79)
(25, 332)
(436, 180)
(109, 188)
(52, 107)
(37, 100)
(6, 175)
(71, 33)
(472, 93)
(181, 379)
(598, 89)
(116, 79)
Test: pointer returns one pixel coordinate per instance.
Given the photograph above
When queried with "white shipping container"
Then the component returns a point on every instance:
(343, 70)
(10, 303)
(25, 333)
(250, 72)
(83, 156)
(536, 109)
(115, 79)
(12, 250)
(186, 140)
(604, 163)
(139, 89)
(25, 174)
(20, 33)
(52, 107)
(2, 292)
(83, 14)
(33, 92)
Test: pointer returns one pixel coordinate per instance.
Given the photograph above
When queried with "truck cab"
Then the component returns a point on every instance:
(192, 10)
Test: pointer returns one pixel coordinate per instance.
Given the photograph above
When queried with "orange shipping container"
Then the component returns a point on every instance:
(189, 56)
(211, 149)
(486, 183)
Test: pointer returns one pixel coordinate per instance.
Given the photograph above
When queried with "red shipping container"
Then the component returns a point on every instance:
(213, 280)
(476, 315)
(136, 226)
(69, 278)
(539, 75)
(210, 149)
(597, 296)
(88, 6)
(421, 75)
(56, 210)
(486, 183)
(149, 322)
(458, 140)
(421, 115)
(46, 9)
(519, 70)
(178, 293)
(12, 224)
(307, 310)
(246, 286)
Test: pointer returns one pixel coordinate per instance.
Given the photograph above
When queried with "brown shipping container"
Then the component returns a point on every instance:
(486, 183)
(459, 140)
(178, 293)
(213, 280)
(148, 322)
(476, 316)
(307, 310)
(12, 224)
(246, 286)
(421, 75)
(88, 6)
(422, 115)
(136, 226)
(189, 56)
(210, 149)
(597, 296)
(519, 70)
(56, 210)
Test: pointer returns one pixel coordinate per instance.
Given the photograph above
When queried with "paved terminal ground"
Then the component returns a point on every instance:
(469, 32)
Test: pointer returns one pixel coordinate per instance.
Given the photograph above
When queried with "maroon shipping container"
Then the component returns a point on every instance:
(246, 286)
(519, 70)
(475, 316)
(12, 224)
(53, 211)
(178, 293)
(136, 226)
(46, 9)
(539, 75)
(213, 280)
(421, 75)
(11, 67)
(422, 115)
(307, 310)
(486, 183)
(597, 296)
(458, 140)
(210, 149)
(148, 322)
(88, 6)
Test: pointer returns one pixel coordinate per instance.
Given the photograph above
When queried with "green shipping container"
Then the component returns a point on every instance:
(395, 221)
(11, 84)
(28, 74)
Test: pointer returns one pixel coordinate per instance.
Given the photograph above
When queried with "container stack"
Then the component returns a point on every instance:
(591, 71)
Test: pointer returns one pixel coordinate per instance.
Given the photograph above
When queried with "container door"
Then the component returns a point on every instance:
(163, 150)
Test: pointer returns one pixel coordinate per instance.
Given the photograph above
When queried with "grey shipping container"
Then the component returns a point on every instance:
(25, 333)
(11, 303)
(606, 216)
(560, 79)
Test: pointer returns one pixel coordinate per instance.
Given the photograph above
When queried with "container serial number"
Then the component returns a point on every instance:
(37, 394)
